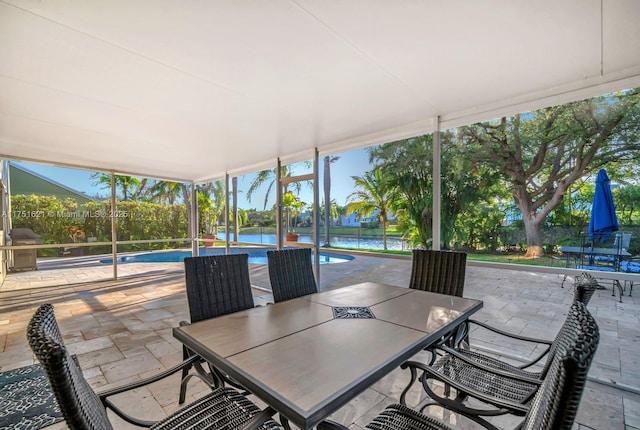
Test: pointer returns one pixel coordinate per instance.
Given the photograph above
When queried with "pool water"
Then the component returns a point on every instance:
(256, 256)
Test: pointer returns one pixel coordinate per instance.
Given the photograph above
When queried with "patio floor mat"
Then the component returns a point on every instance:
(26, 400)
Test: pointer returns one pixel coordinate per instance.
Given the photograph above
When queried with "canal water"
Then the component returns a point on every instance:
(336, 241)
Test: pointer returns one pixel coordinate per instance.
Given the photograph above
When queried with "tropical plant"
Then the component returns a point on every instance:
(65, 221)
(409, 169)
(293, 206)
(211, 205)
(172, 192)
(334, 210)
(166, 192)
(373, 196)
(129, 186)
(269, 176)
(627, 200)
(256, 218)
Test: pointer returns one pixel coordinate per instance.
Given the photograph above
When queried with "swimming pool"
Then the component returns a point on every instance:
(256, 256)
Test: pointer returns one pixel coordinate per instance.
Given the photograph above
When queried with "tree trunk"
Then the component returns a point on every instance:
(234, 187)
(425, 228)
(186, 193)
(533, 216)
(533, 230)
(327, 200)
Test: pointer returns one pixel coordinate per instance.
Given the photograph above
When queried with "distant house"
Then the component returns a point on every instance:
(24, 181)
(350, 220)
(354, 221)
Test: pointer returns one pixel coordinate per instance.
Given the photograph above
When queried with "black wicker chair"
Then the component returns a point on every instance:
(440, 272)
(83, 409)
(554, 405)
(584, 287)
(291, 273)
(504, 387)
(216, 285)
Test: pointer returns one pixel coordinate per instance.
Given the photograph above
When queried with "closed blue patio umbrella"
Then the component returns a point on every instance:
(603, 213)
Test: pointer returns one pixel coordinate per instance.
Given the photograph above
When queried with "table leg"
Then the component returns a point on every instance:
(618, 285)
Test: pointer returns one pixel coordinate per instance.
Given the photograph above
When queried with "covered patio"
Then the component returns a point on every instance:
(176, 92)
(192, 92)
(121, 331)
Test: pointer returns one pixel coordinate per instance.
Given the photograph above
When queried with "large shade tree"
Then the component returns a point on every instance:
(542, 153)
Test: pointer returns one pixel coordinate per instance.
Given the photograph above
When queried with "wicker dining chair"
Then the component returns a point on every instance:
(584, 287)
(82, 408)
(503, 387)
(554, 406)
(440, 272)
(216, 285)
(291, 273)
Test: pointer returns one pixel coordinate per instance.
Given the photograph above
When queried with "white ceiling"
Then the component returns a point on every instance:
(191, 89)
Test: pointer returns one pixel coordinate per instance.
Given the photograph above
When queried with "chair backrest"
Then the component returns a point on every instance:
(622, 241)
(291, 273)
(555, 405)
(80, 406)
(217, 285)
(585, 285)
(566, 334)
(438, 271)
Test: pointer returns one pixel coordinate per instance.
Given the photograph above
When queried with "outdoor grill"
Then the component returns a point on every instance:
(24, 259)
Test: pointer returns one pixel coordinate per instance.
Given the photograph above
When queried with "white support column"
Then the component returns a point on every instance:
(234, 187)
(437, 186)
(279, 205)
(226, 213)
(316, 216)
(195, 220)
(114, 230)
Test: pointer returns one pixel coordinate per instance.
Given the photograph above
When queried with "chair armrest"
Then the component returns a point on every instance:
(520, 338)
(488, 369)
(511, 335)
(103, 396)
(459, 407)
(399, 416)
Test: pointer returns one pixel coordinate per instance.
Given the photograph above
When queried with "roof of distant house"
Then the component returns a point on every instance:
(25, 181)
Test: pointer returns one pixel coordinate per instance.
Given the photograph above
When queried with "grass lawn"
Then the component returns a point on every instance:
(552, 261)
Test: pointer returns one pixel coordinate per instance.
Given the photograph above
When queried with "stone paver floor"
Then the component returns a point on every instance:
(121, 331)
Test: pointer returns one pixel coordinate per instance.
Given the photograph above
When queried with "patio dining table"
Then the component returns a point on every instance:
(580, 252)
(309, 356)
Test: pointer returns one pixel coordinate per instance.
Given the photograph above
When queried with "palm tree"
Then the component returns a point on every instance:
(127, 184)
(270, 175)
(374, 194)
(294, 206)
(213, 205)
(334, 210)
(327, 197)
(166, 191)
(170, 191)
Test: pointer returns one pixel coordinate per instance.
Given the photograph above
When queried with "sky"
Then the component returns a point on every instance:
(352, 163)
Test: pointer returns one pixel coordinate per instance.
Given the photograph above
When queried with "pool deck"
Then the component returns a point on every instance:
(121, 330)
